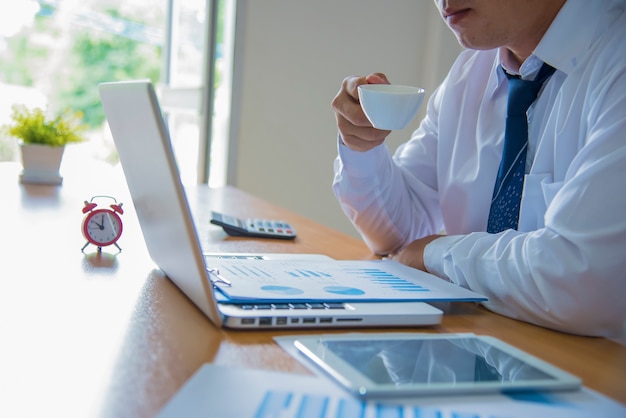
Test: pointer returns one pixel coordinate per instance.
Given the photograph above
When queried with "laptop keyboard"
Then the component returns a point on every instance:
(207, 257)
(293, 306)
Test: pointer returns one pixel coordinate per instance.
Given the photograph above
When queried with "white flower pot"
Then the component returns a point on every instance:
(41, 164)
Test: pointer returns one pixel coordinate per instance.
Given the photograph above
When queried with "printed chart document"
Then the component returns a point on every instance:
(225, 392)
(242, 280)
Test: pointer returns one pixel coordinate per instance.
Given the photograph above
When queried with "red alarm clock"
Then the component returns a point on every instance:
(102, 227)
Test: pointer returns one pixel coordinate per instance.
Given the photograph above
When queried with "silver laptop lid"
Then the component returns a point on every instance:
(147, 159)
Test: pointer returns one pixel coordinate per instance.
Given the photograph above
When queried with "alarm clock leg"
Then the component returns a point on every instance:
(118, 247)
(84, 246)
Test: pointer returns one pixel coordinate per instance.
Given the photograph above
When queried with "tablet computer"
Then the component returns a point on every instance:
(406, 364)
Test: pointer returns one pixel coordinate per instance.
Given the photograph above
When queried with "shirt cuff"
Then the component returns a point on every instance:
(360, 164)
(435, 255)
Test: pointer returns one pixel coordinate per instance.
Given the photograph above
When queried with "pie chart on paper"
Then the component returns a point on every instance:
(343, 290)
(282, 290)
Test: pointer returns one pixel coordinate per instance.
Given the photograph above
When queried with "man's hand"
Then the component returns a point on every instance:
(355, 129)
(413, 254)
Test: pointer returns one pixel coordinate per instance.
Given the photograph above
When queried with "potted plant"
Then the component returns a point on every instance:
(42, 141)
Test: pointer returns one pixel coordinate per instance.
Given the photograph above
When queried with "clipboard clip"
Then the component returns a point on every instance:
(216, 278)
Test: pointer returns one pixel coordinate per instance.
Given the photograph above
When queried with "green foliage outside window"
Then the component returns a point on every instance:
(66, 63)
(103, 57)
(71, 74)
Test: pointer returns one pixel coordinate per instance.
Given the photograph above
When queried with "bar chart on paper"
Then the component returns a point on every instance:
(290, 405)
(375, 276)
(306, 280)
(220, 391)
(287, 404)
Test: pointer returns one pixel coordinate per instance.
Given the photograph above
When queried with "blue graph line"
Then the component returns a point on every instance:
(312, 406)
(284, 403)
(273, 403)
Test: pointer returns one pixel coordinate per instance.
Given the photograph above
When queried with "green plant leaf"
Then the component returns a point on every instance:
(32, 127)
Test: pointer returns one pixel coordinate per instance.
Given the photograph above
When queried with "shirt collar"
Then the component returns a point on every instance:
(529, 69)
(497, 76)
(571, 34)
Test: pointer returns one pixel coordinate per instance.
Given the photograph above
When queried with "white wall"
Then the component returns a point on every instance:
(290, 58)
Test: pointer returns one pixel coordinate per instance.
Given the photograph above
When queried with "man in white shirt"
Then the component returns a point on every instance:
(565, 265)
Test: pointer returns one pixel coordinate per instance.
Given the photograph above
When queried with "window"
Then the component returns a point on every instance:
(54, 53)
(201, 37)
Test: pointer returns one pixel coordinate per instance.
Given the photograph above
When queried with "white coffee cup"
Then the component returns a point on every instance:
(390, 106)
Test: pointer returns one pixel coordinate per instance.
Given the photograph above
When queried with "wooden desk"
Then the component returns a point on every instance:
(108, 335)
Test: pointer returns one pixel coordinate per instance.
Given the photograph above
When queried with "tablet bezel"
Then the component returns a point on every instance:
(359, 384)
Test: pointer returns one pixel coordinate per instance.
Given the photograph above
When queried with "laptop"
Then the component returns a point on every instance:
(146, 155)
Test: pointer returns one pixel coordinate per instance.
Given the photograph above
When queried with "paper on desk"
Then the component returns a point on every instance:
(332, 280)
(224, 392)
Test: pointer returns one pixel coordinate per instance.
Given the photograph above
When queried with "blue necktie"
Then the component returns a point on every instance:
(507, 192)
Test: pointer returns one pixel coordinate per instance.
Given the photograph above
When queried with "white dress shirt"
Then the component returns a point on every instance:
(565, 268)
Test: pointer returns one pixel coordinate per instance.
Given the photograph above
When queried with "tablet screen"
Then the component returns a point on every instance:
(403, 362)
(430, 363)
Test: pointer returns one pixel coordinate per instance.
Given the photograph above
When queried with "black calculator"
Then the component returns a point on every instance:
(253, 227)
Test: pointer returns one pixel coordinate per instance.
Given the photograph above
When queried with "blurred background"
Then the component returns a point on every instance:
(246, 85)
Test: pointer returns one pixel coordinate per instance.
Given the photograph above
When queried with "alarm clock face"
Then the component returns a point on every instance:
(102, 227)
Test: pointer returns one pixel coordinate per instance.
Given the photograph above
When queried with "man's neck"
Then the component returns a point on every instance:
(517, 52)
(510, 60)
